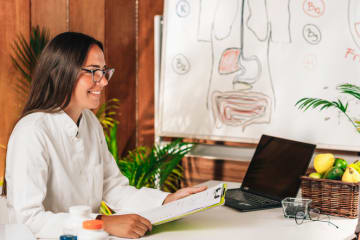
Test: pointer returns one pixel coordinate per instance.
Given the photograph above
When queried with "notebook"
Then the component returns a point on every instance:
(273, 174)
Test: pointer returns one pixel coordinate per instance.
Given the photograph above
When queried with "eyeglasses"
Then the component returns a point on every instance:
(313, 215)
(98, 74)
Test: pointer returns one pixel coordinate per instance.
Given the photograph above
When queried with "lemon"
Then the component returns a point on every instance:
(351, 175)
(355, 165)
(315, 175)
(323, 162)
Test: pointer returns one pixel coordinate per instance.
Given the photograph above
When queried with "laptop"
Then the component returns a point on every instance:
(273, 174)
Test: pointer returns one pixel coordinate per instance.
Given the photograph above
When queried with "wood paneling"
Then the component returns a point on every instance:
(198, 170)
(145, 80)
(120, 39)
(14, 18)
(50, 14)
(88, 16)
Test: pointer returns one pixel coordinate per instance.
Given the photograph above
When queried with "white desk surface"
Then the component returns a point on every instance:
(226, 223)
(15, 231)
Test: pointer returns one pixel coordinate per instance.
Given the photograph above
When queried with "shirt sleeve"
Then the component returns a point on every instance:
(27, 175)
(119, 195)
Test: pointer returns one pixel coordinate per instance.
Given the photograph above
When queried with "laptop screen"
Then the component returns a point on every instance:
(276, 167)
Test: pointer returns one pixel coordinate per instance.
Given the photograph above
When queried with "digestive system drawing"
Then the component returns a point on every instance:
(240, 91)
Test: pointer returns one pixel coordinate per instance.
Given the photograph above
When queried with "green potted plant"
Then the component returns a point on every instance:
(156, 167)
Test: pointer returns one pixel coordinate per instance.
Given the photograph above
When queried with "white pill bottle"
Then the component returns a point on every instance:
(92, 230)
(78, 214)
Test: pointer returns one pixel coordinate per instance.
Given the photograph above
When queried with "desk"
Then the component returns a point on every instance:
(222, 223)
(15, 231)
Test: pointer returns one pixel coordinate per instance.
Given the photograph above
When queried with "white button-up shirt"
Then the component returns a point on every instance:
(52, 164)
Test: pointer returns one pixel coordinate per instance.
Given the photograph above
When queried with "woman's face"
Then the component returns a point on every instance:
(87, 94)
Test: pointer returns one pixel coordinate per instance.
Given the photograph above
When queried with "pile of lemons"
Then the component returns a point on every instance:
(329, 167)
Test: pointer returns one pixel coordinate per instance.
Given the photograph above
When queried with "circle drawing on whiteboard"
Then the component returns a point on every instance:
(310, 62)
(312, 34)
(314, 8)
(182, 8)
(180, 64)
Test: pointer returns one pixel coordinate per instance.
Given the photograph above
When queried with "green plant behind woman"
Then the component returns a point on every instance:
(156, 167)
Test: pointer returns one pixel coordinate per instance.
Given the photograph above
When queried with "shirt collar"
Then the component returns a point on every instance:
(68, 124)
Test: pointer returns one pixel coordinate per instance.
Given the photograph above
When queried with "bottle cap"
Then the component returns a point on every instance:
(93, 224)
(80, 210)
(68, 237)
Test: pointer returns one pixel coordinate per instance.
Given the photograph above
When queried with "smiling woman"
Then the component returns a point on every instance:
(57, 155)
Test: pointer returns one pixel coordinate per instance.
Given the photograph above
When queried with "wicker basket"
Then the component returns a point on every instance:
(332, 197)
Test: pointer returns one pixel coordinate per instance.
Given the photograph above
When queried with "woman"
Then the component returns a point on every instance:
(57, 155)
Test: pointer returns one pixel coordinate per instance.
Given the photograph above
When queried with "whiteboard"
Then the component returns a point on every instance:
(233, 70)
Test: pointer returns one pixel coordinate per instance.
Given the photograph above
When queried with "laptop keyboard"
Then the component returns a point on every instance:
(259, 200)
(245, 200)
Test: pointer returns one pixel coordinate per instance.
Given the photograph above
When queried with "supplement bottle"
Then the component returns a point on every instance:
(93, 230)
(78, 214)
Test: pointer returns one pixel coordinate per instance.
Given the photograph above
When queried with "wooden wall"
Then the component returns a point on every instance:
(126, 28)
(111, 21)
(14, 18)
(198, 170)
(145, 87)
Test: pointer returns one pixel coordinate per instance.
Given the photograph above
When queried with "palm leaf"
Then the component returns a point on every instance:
(350, 89)
(173, 181)
(21, 57)
(306, 103)
(171, 156)
(25, 55)
(106, 112)
(139, 167)
(357, 125)
(112, 142)
(144, 165)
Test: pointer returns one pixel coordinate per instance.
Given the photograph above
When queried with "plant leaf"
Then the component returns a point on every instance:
(350, 89)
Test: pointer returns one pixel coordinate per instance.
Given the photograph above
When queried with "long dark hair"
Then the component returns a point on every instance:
(56, 72)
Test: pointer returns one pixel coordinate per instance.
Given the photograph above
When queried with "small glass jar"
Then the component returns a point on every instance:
(291, 206)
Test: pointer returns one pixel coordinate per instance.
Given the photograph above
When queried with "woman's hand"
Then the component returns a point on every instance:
(127, 225)
(184, 192)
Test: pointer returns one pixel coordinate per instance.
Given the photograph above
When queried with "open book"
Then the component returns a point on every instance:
(212, 197)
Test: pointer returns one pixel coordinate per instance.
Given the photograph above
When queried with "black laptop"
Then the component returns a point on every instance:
(273, 174)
